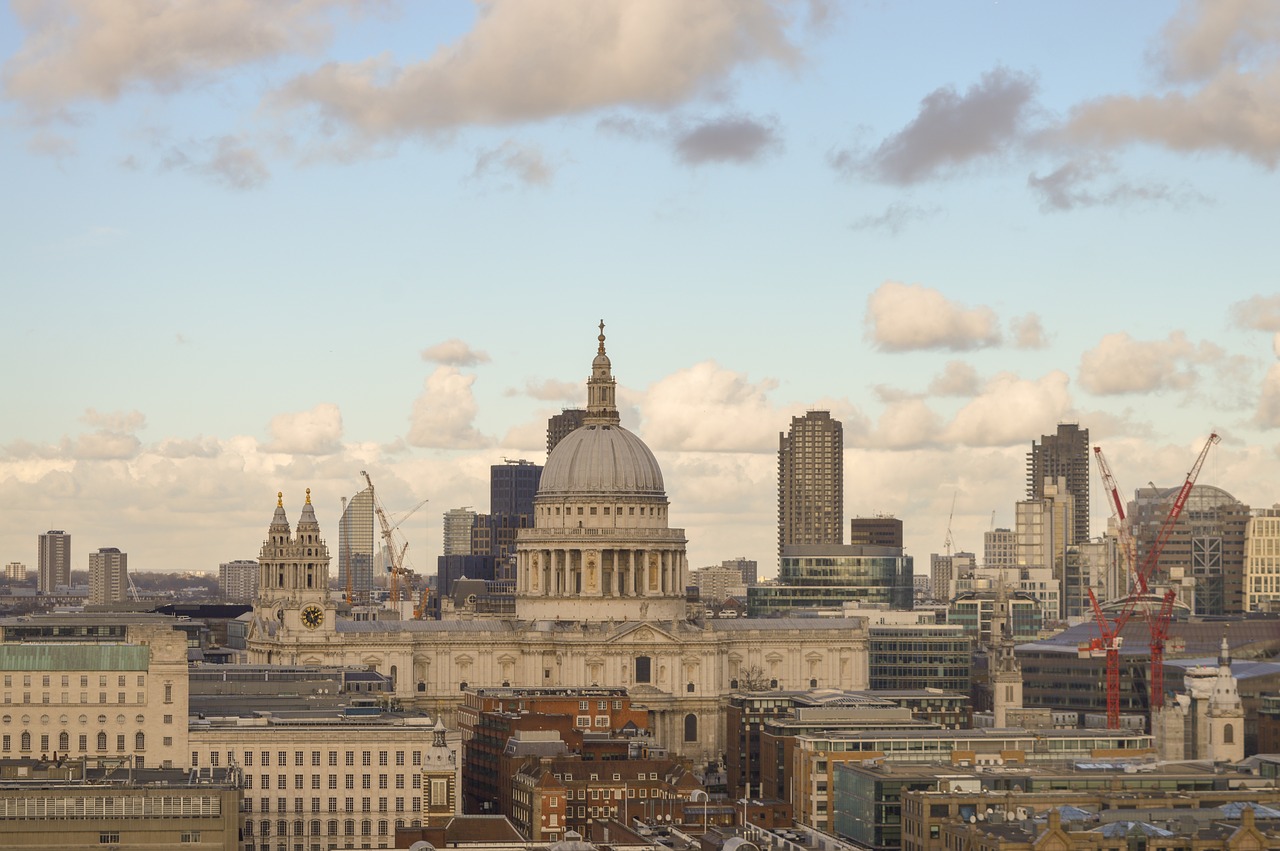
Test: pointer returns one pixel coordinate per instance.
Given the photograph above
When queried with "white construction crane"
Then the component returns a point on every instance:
(395, 552)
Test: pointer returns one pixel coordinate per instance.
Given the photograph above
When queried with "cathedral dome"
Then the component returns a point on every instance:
(603, 459)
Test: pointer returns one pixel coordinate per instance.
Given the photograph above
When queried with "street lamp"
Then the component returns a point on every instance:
(706, 799)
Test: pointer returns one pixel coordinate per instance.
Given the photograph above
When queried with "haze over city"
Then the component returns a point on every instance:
(258, 248)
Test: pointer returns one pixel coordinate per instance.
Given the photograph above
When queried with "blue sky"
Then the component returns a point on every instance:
(238, 240)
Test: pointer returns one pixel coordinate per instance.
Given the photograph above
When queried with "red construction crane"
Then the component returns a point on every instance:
(1158, 624)
(1123, 532)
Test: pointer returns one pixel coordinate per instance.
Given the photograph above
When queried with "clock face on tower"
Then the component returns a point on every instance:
(312, 617)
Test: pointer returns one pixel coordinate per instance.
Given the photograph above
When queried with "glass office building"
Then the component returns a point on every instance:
(355, 547)
(828, 576)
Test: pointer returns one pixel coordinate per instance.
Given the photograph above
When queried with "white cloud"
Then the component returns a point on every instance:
(126, 422)
(710, 408)
(908, 424)
(444, 413)
(549, 390)
(454, 352)
(314, 432)
(525, 163)
(1258, 313)
(1268, 413)
(97, 49)
(1011, 410)
(104, 445)
(1028, 333)
(527, 60)
(956, 379)
(1120, 364)
(906, 317)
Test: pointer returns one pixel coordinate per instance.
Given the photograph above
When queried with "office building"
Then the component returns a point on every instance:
(1204, 553)
(355, 547)
(562, 425)
(512, 487)
(457, 531)
(718, 583)
(920, 656)
(746, 566)
(826, 577)
(999, 548)
(1262, 561)
(53, 567)
(1043, 531)
(974, 610)
(15, 571)
(238, 580)
(945, 570)
(108, 576)
(811, 482)
(106, 687)
(879, 531)
(1064, 455)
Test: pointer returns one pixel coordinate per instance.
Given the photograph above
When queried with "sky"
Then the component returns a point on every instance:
(259, 247)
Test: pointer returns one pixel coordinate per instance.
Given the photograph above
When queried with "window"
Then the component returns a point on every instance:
(643, 665)
(7, 742)
(1228, 735)
(168, 692)
(109, 837)
(26, 741)
(140, 741)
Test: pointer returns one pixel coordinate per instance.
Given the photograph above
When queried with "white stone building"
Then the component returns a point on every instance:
(600, 600)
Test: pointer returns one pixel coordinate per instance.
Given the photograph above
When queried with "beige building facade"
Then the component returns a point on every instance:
(94, 686)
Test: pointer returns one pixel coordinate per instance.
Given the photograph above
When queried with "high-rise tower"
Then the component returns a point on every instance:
(1063, 455)
(108, 576)
(54, 561)
(811, 481)
(355, 546)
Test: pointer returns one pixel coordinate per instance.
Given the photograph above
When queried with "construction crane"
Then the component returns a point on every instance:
(396, 553)
(1123, 532)
(947, 544)
(1110, 632)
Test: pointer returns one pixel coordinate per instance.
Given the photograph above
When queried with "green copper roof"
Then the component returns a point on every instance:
(73, 657)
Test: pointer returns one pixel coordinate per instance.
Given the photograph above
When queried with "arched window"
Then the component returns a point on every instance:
(140, 741)
(1228, 735)
(64, 741)
(333, 827)
(691, 727)
(366, 828)
(315, 827)
(102, 741)
(26, 740)
(422, 686)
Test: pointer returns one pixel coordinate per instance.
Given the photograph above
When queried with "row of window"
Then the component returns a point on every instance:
(47, 679)
(64, 742)
(313, 828)
(349, 781)
(631, 511)
(84, 719)
(300, 758)
(349, 805)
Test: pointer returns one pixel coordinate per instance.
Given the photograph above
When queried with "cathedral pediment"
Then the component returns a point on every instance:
(641, 633)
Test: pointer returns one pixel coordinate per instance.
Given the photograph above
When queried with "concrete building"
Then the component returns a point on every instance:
(513, 486)
(748, 567)
(1043, 528)
(1262, 561)
(562, 425)
(811, 482)
(457, 531)
(342, 779)
(355, 547)
(1062, 459)
(104, 687)
(1204, 554)
(882, 530)
(944, 570)
(68, 804)
(999, 548)
(717, 583)
(827, 576)
(600, 598)
(15, 571)
(53, 565)
(108, 576)
(238, 580)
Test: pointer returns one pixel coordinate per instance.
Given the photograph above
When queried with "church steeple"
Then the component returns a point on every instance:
(602, 406)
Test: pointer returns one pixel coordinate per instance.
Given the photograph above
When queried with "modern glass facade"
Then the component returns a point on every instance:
(355, 547)
(919, 657)
(973, 610)
(812, 577)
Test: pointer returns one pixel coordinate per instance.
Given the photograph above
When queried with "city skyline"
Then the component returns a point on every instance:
(232, 271)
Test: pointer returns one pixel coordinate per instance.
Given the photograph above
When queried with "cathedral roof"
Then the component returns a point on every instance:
(601, 458)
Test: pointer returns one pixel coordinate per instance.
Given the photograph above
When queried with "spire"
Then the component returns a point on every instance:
(602, 406)
(279, 522)
(308, 516)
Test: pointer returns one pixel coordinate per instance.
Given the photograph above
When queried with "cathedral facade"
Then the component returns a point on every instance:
(600, 601)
